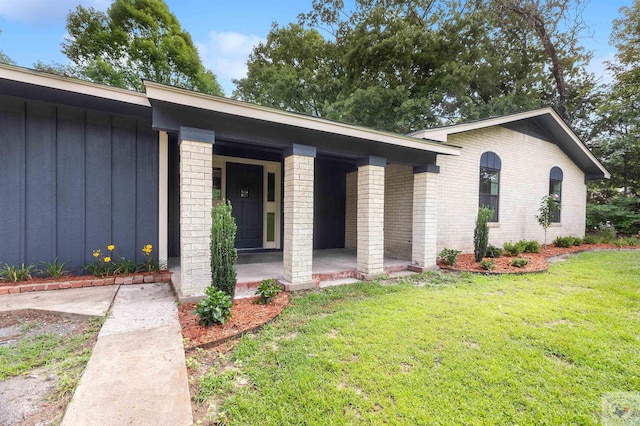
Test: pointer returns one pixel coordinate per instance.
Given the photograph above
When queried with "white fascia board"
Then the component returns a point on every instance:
(53, 81)
(442, 133)
(242, 109)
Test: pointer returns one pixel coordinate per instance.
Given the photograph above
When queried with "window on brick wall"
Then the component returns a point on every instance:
(555, 189)
(490, 166)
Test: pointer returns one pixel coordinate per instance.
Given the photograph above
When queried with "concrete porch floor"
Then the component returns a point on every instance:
(253, 267)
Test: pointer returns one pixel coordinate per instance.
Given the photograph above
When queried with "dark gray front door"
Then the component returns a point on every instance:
(244, 190)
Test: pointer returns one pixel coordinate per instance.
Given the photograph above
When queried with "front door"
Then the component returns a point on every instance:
(244, 190)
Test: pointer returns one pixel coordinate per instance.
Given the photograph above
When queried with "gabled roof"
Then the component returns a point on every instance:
(258, 113)
(545, 118)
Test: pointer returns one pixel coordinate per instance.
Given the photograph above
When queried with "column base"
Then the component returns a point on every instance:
(420, 268)
(369, 277)
(298, 286)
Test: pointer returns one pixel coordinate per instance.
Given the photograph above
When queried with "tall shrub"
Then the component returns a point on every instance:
(223, 252)
(481, 233)
(548, 206)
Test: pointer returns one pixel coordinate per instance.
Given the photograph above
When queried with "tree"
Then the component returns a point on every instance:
(548, 210)
(134, 39)
(481, 233)
(617, 140)
(404, 65)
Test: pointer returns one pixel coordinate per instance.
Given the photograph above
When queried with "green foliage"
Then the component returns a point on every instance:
(53, 269)
(549, 206)
(134, 39)
(591, 239)
(513, 249)
(109, 263)
(630, 241)
(481, 233)
(488, 264)
(566, 242)
(267, 290)
(519, 262)
(607, 233)
(493, 251)
(337, 355)
(402, 66)
(215, 308)
(623, 212)
(531, 246)
(223, 252)
(449, 256)
(16, 273)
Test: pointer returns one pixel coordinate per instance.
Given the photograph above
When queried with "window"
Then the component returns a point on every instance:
(490, 166)
(217, 183)
(555, 189)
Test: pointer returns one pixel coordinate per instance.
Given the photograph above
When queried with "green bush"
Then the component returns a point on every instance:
(630, 241)
(481, 233)
(519, 262)
(531, 246)
(488, 264)
(223, 252)
(267, 290)
(493, 251)
(513, 249)
(16, 273)
(591, 239)
(215, 308)
(53, 269)
(607, 233)
(566, 242)
(449, 256)
(623, 212)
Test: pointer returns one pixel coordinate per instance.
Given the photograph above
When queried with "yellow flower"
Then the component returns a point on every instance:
(110, 247)
(147, 249)
(107, 259)
(96, 253)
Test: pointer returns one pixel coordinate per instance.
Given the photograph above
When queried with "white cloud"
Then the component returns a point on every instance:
(40, 11)
(226, 54)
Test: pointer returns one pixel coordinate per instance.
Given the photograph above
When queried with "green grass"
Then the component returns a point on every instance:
(530, 349)
(68, 355)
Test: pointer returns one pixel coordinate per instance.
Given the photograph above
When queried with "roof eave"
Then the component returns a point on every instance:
(161, 92)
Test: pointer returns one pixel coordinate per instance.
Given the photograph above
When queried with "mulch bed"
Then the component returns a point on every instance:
(246, 316)
(537, 261)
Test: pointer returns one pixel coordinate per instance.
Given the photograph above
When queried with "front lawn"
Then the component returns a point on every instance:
(448, 349)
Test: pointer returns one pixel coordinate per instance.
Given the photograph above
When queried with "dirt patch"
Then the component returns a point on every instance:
(538, 262)
(246, 316)
(34, 398)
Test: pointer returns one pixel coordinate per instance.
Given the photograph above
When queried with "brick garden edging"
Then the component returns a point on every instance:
(162, 277)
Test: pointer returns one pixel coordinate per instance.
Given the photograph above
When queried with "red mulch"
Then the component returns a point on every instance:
(246, 315)
(537, 262)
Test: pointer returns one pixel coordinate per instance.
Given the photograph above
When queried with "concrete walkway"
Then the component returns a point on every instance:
(76, 302)
(136, 374)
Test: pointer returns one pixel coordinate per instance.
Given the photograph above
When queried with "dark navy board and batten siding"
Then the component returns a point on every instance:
(74, 180)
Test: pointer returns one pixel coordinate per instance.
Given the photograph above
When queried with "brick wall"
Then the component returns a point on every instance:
(298, 220)
(425, 220)
(524, 180)
(196, 164)
(370, 219)
(398, 207)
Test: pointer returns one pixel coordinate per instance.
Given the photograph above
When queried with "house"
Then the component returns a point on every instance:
(509, 164)
(84, 165)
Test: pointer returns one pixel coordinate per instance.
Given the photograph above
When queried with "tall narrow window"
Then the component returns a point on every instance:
(490, 166)
(555, 189)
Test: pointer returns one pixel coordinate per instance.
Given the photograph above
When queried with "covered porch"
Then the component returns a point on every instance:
(316, 193)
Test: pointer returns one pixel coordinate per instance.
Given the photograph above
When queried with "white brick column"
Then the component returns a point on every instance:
(196, 184)
(425, 215)
(370, 233)
(298, 217)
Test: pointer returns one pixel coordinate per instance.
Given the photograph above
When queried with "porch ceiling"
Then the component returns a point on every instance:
(239, 122)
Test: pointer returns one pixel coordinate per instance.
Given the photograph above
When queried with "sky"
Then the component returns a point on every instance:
(224, 30)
